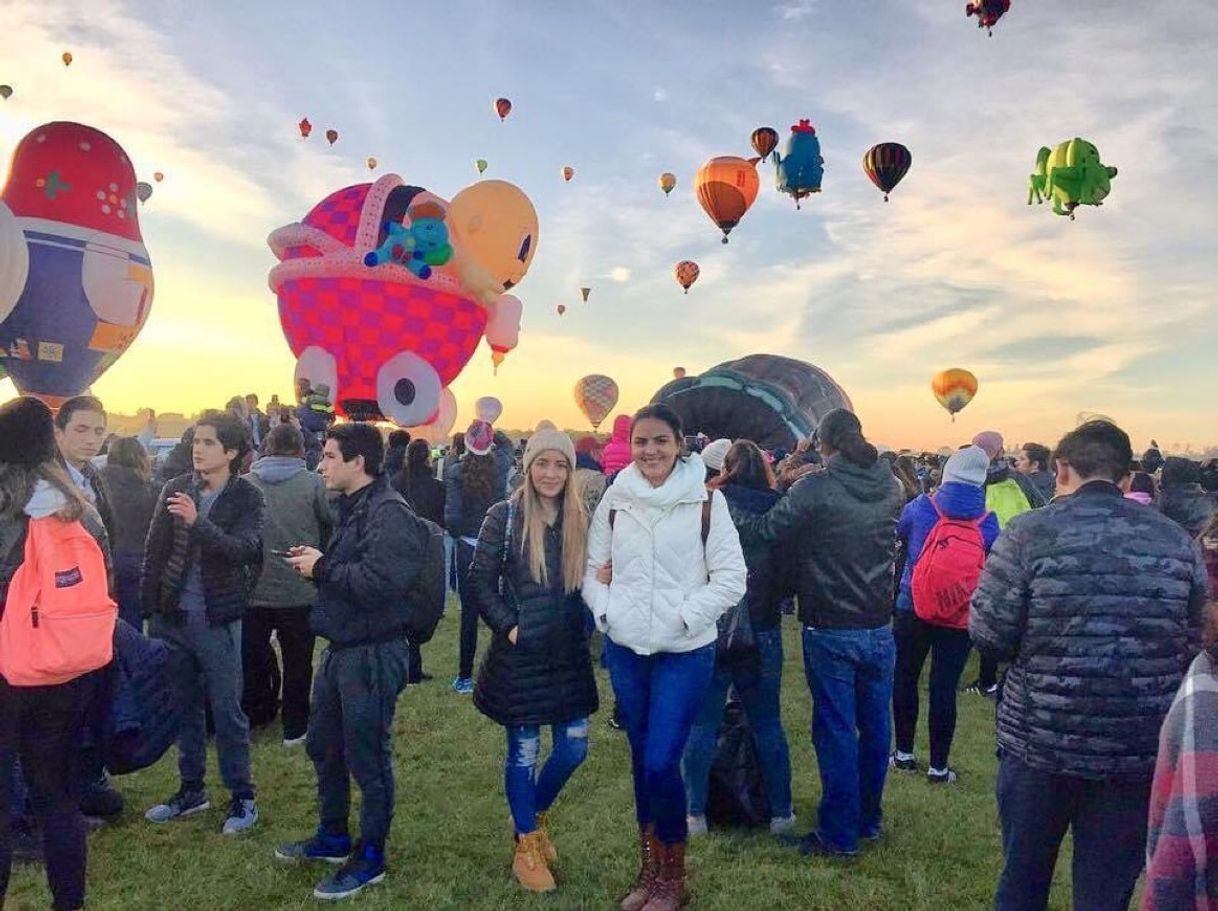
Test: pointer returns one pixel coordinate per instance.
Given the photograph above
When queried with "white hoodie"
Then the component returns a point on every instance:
(668, 591)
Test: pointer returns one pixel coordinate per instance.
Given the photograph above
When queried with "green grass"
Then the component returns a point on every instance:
(451, 846)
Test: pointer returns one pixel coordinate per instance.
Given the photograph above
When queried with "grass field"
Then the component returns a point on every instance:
(451, 847)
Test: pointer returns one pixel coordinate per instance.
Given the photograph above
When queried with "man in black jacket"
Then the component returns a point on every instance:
(1097, 603)
(202, 560)
(364, 581)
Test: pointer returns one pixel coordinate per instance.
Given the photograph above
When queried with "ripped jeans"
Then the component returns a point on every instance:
(529, 792)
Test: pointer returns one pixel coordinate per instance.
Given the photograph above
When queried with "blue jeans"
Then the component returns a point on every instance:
(1108, 822)
(849, 672)
(658, 697)
(759, 688)
(530, 793)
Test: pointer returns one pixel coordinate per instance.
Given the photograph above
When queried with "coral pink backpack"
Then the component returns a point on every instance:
(58, 618)
(948, 570)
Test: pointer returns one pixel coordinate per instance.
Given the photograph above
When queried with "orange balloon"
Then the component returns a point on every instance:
(678, 373)
(66, 58)
(158, 176)
(668, 180)
(726, 188)
(687, 272)
(954, 389)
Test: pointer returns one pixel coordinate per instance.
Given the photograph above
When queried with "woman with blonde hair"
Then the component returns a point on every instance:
(525, 578)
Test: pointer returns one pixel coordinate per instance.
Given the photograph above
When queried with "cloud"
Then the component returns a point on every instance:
(620, 274)
(660, 95)
(799, 9)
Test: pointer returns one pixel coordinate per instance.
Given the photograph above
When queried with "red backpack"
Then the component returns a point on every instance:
(948, 570)
(58, 618)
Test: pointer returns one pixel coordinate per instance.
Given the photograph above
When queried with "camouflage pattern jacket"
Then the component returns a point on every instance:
(1097, 603)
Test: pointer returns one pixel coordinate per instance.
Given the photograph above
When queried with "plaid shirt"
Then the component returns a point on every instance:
(1182, 848)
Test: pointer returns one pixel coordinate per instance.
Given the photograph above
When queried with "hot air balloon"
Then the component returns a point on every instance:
(726, 187)
(686, 272)
(1070, 175)
(332, 136)
(561, 309)
(6, 92)
(371, 163)
(481, 165)
(678, 373)
(885, 164)
(596, 396)
(988, 12)
(502, 107)
(305, 128)
(143, 191)
(568, 172)
(765, 141)
(488, 408)
(954, 389)
(584, 292)
(66, 58)
(668, 180)
(802, 168)
(158, 176)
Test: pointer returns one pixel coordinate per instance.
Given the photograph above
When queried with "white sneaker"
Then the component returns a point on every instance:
(696, 825)
(242, 814)
(295, 741)
(780, 825)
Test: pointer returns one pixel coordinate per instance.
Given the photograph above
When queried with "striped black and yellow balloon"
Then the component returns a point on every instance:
(885, 164)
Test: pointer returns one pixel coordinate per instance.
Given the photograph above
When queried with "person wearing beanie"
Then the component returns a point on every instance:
(842, 524)
(471, 487)
(525, 581)
(712, 457)
(40, 726)
(960, 497)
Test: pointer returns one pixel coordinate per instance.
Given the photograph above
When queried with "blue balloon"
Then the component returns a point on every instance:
(801, 167)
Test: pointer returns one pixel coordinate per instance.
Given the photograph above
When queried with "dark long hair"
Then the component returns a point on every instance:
(745, 466)
(842, 431)
(416, 471)
(129, 452)
(17, 483)
(478, 482)
(906, 472)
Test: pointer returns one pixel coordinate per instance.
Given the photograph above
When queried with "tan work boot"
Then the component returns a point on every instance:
(547, 846)
(529, 864)
(669, 893)
(640, 892)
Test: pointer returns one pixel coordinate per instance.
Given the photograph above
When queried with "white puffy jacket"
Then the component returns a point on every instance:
(668, 591)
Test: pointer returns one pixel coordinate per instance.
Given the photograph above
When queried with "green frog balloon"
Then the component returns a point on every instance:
(1071, 175)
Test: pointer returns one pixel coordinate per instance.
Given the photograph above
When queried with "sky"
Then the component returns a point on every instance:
(1113, 313)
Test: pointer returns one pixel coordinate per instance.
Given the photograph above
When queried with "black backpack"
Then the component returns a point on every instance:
(425, 603)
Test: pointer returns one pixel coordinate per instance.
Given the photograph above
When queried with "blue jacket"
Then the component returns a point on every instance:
(142, 719)
(958, 501)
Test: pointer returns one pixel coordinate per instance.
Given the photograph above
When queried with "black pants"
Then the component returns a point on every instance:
(469, 611)
(260, 698)
(351, 734)
(40, 725)
(987, 673)
(948, 650)
(1108, 821)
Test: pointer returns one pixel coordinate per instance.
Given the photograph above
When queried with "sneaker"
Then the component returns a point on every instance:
(242, 814)
(366, 867)
(324, 846)
(696, 825)
(781, 825)
(463, 686)
(976, 689)
(903, 763)
(179, 806)
(811, 845)
(990, 692)
(947, 776)
(290, 742)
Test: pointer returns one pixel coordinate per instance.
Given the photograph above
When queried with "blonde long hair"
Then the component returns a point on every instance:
(574, 531)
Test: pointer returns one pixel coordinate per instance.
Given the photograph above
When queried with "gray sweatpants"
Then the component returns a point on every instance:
(355, 692)
(207, 665)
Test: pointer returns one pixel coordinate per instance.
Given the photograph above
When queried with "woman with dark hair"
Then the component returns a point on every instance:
(471, 487)
(425, 494)
(664, 563)
(132, 495)
(842, 522)
(395, 452)
(906, 472)
(40, 724)
(747, 483)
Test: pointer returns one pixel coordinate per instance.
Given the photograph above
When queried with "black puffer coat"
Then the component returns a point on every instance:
(842, 523)
(1097, 602)
(768, 563)
(1188, 505)
(546, 677)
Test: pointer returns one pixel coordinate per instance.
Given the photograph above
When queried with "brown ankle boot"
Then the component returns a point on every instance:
(669, 893)
(640, 892)
(529, 864)
(543, 829)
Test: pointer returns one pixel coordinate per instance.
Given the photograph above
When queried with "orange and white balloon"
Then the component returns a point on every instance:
(954, 388)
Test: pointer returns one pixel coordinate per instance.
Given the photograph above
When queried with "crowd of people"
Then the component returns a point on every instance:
(1080, 574)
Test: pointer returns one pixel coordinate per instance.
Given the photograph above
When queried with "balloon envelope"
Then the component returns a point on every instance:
(503, 107)
(568, 172)
(668, 180)
(954, 388)
(371, 164)
(585, 292)
(305, 127)
(678, 373)
(596, 396)
(686, 272)
(143, 191)
(480, 164)
(66, 58)
(332, 136)
(726, 187)
(765, 141)
(561, 309)
(158, 176)
(885, 164)
(488, 408)
(6, 91)
(773, 401)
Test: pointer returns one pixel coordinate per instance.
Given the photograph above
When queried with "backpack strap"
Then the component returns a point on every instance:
(706, 519)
